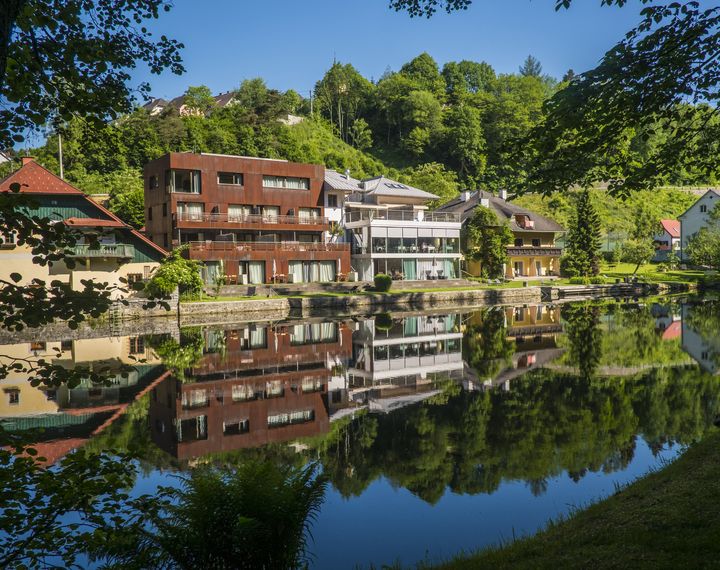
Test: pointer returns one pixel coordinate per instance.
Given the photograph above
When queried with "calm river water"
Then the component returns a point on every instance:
(440, 431)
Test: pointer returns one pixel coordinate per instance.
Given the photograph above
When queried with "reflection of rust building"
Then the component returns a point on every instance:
(256, 385)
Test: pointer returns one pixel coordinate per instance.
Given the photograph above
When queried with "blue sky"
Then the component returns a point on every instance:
(290, 43)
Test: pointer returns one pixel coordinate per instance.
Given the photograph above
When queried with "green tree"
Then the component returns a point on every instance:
(257, 515)
(176, 272)
(638, 251)
(129, 206)
(464, 142)
(467, 77)
(79, 62)
(199, 98)
(582, 253)
(531, 67)
(423, 71)
(361, 135)
(486, 240)
(435, 178)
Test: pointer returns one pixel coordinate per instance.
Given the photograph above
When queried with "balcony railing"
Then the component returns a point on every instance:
(103, 250)
(228, 248)
(401, 215)
(249, 219)
(534, 250)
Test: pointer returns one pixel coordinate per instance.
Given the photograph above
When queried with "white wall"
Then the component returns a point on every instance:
(694, 219)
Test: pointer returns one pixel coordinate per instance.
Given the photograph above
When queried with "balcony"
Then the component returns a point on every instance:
(256, 221)
(534, 251)
(117, 250)
(401, 216)
(240, 250)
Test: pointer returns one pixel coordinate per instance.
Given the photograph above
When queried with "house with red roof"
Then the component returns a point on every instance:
(122, 253)
(667, 239)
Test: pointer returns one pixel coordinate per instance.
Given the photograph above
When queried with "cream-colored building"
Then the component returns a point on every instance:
(123, 253)
(696, 217)
(533, 252)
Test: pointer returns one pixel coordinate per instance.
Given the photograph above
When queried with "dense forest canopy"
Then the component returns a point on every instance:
(444, 128)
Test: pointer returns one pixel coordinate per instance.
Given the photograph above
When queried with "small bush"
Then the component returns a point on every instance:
(383, 282)
(579, 280)
(383, 322)
(597, 280)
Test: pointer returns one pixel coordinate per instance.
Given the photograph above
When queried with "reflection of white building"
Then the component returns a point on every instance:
(397, 363)
(705, 351)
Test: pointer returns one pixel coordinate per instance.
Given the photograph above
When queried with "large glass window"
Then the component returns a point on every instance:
(379, 245)
(183, 181)
(290, 182)
(234, 178)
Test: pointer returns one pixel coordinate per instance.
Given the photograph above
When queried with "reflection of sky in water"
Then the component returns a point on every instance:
(387, 524)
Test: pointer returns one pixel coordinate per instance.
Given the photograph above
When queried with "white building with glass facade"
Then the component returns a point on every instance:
(391, 231)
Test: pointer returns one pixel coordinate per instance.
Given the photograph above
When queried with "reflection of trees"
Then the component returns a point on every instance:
(487, 348)
(546, 424)
(179, 356)
(583, 335)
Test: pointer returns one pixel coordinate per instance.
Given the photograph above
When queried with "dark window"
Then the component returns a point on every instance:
(37, 345)
(165, 210)
(153, 182)
(703, 208)
(13, 396)
(332, 200)
(149, 214)
(134, 278)
(51, 395)
(137, 345)
(536, 242)
(183, 181)
(165, 241)
(234, 178)
(66, 345)
(519, 242)
(236, 428)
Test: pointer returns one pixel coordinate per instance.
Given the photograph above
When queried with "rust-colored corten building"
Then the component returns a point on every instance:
(253, 220)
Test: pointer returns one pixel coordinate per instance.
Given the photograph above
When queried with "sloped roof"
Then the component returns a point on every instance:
(224, 99)
(94, 223)
(335, 180)
(710, 191)
(382, 186)
(155, 103)
(672, 227)
(505, 211)
(36, 179)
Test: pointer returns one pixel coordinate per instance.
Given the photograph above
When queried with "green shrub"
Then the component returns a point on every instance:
(383, 322)
(176, 272)
(597, 280)
(383, 282)
(579, 280)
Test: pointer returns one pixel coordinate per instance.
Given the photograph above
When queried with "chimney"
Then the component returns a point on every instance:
(27, 160)
(465, 196)
(347, 174)
(502, 194)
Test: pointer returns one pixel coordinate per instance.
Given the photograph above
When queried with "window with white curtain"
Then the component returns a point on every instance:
(242, 392)
(326, 271)
(190, 210)
(290, 182)
(295, 268)
(237, 212)
(195, 398)
(256, 272)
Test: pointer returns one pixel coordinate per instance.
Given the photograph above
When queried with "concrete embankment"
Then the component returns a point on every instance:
(253, 309)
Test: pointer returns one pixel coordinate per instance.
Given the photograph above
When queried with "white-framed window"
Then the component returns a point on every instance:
(703, 208)
(289, 182)
(232, 178)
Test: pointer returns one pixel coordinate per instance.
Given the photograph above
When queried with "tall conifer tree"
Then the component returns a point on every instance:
(582, 255)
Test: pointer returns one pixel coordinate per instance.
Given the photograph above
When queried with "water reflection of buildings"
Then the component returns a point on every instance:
(255, 384)
(397, 360)
(703, 348)
(533, 331)
(68, 417)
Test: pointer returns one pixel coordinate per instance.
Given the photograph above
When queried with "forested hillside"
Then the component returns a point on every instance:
(443, 129)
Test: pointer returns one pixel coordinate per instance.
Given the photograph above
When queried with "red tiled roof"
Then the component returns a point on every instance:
(37, 179)
(673, 331)
(94, 222)
(672, 227)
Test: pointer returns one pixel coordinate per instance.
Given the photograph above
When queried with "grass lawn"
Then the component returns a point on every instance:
(669, 519)
(650, 272)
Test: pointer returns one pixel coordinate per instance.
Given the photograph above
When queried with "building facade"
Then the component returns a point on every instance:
(256, 384)
(533, 253)
(391, 231)
(251, 220)
(124, 255)
(695, 218)
(667, 240)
